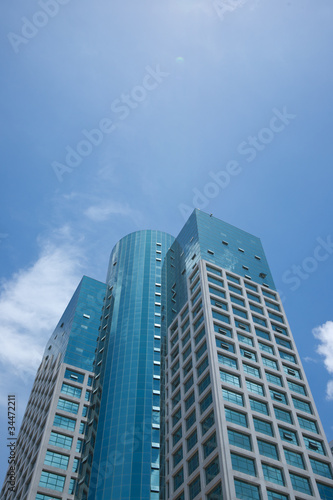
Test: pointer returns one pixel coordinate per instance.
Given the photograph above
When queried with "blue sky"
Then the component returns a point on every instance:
(151, 102)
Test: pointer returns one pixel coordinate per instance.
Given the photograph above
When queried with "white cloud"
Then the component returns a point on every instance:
(324, 333)
(329, 390)
(103, 211)
(31, 303)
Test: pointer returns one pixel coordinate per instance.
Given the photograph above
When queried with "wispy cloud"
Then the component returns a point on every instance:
(31, 302)
(103, 211)
(324, 334)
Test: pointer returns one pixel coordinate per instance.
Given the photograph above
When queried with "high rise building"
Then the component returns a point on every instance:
(177, 379)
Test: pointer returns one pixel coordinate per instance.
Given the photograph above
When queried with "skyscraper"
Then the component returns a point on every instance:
(177, 379)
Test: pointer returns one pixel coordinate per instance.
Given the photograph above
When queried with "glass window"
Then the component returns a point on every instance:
(259, 321)
(239, 439)
(288, 435)
(175, 383)
(232, 278)
(190, 420)
(256, 308)
(272, 305)
(187, 368)
(288, 357)
(301, 405)
(253, 297)
(262, 334)
(219, 304)
(52, 481)
(75, 392)
(321, 468)
(314, 445)
(186, 338)
(212, 470)
(202, 367)
(235, 417)
(198, 323)
(192, 440)
(176, 417)
(307, 424)
(297, 388)
(274, 379)
(270, 363)
(268, 449)
(177, 435)
(65, 405)
(232, 397)
(274, 495)
(221, 317)
(178, 479)
(72, 375)
(225, 360)
(256, 388)
(194, 488)
(292, 371)
(266, 348)
(243, 464)
(251, 370)
(239, 312)
(246, 491)
(174, 368)
(263, 426)
(212, 270)
(176, 399)
(188, 384)
(236, 300)
(193, 463)
(325, 491)
(215, 281)
(273, 474)
(283, 342)
(295, 459)
(229, 378)
(216, 493)
(200, 336)
(278, 396)
(300, 483)
(216, 291)
(248, 354)
(209, 445)
(64, 422)
(222, 330)
(225, 345)
(56, 460)
(177, 456)
(207, 423)
(250, 286)
(187, 352)
(244, 339)
(201, 351)
(206, 402)
(276, 317)
(259, 406)
(204, 384)
(283, 415)
(189, 401)
(60, 440)
(234, 289)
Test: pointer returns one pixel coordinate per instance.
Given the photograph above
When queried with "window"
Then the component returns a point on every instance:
(229, 378)
(263, 426)
(295, 459)
(278, 396)
(215, 281)
(216, 493)
(177, 435)
(239, 439)
(256, 388)
(64, 422)
(219, 304)
(236, 417)
(288, 357)
(225, 345)
(307, 424)
(266, 348)
(186, 339)
(283, 415)
(177, 456)
(209, 446)
(52, 481)
(176, 417)
(288, 435)
(193, 463)
(212, 470)
(274, 379)
(259, 406)
(245, 490)
(314, 445)
(178, 479)
(276, 317)
(194, 488)
(176, 399)
(273, 495)
(273, 474)
(222, 330)
(245, 340)
(243, 464)
(65, 405)
(250, 286)
(236, 300)
(213, 270)
(225, 360)
(190, 420)
(262, 334)
(207, 423)
(232, 278)
(259, 321)
(232, 397)
(189, 401)
(188, 384)
(253, 297)
(251, 370)
(268, 449)
(201, 351)
(71, 374)
(56, 460)
(202, 367)
(321, 468)
(248, 354)
(325, 491)
(60, 440)
(175, 383)
(221, 317)
(75, 392)
(235, 289)
(283, 342)
(187, 352)
(300, 483)
(291, 371)
(301, 405)
(256, 308)
(200, 335)
(296, 388)
(206, 402)
(270, 363)
(204, 384)
(239, 312)
(192, 440)
(187, 368)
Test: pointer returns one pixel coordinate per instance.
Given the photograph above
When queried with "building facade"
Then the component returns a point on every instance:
(177, 379)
